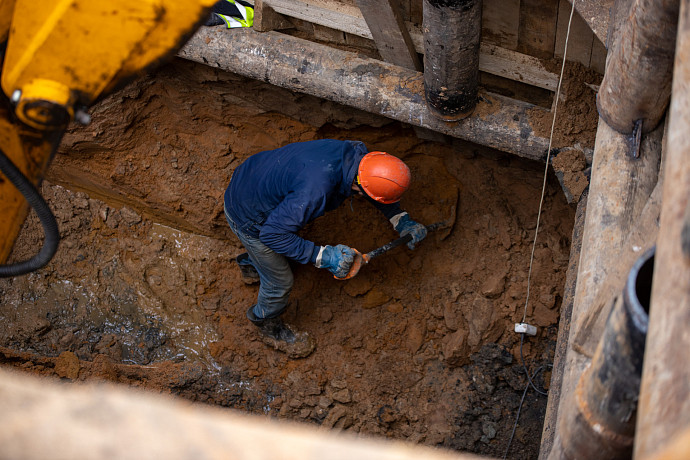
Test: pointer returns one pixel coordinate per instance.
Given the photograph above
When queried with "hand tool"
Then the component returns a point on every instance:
(361, 259)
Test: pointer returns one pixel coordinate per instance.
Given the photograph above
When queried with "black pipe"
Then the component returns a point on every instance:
(452, 30)
(38, 204)
(601, 423)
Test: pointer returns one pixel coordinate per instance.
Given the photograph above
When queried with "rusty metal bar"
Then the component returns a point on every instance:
(664, 410)
(452, 29)
(637, 84)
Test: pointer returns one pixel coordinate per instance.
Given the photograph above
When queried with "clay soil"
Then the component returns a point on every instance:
(419, 346)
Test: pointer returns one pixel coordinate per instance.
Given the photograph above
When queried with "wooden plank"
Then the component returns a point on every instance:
(664, 410)
(618, 191)
(339, 16)
(404, 7)
(597, 14)
(581, 36)
(390, 34)
(642, 236)
(537, 29)
(500, 22)
(516, 66)
(265, 18)
(45, 418)
(492, 59)
(326, 34)
(416, 16)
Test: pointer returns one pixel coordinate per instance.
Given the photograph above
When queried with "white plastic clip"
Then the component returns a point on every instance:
(524, 328)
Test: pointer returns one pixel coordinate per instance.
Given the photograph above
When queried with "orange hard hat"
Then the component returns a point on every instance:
(383, 177)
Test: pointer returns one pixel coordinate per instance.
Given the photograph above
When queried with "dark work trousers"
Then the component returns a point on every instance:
(274, 272)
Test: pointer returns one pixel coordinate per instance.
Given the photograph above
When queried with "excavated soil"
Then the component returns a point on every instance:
(419, 346)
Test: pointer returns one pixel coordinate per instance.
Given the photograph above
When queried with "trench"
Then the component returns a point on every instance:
(419, 346)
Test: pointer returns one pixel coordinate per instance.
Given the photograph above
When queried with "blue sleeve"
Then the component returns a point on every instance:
(279, 232)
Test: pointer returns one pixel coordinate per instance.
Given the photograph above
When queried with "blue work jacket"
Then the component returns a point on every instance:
(273, 194)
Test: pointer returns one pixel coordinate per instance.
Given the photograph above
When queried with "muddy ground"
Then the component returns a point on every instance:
(419, 346)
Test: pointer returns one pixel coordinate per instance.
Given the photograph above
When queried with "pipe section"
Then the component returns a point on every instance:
(637, 84)
(452, 29)
(600, 420)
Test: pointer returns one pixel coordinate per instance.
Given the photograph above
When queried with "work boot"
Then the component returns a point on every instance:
(283, 337)
(249, 273)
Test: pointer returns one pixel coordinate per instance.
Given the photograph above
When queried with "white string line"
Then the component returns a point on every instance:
(548, 157)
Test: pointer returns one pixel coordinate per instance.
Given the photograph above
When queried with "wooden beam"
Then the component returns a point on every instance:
(618, 192)
(367, 84)
(637, 84)
(664, 410)
(642, 236)
(336, 15)
(45, 418)
(390, 33)
(492, 59)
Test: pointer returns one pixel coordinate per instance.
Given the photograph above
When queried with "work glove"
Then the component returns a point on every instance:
(406, 226)
(337, 259)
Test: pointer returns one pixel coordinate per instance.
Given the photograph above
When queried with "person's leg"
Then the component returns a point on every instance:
(276, 279)
(276, 282)
(274, 272)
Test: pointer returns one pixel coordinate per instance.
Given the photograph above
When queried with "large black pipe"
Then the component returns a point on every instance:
(452, 30)
(601, 421)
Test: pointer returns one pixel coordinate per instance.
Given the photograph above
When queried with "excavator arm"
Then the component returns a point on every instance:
(57, 58)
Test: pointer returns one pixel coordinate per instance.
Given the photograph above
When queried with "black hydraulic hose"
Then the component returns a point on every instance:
(38, 204)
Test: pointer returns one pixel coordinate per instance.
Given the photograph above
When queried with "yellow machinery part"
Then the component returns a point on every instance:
(6, 7)
(30, 151)
(61, 56)
(88, 47)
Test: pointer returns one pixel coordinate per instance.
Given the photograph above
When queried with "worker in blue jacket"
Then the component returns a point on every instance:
(274, 194)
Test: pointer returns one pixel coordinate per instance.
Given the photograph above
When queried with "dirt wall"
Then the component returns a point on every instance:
(419, 346)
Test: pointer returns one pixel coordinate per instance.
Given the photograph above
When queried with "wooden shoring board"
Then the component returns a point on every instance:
(492, 59)
(500, 23)
(581, 39)
(597, 14)
(537, 30)
(390, 34)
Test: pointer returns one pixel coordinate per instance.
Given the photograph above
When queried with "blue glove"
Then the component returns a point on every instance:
(337, 259)
(407, 226)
